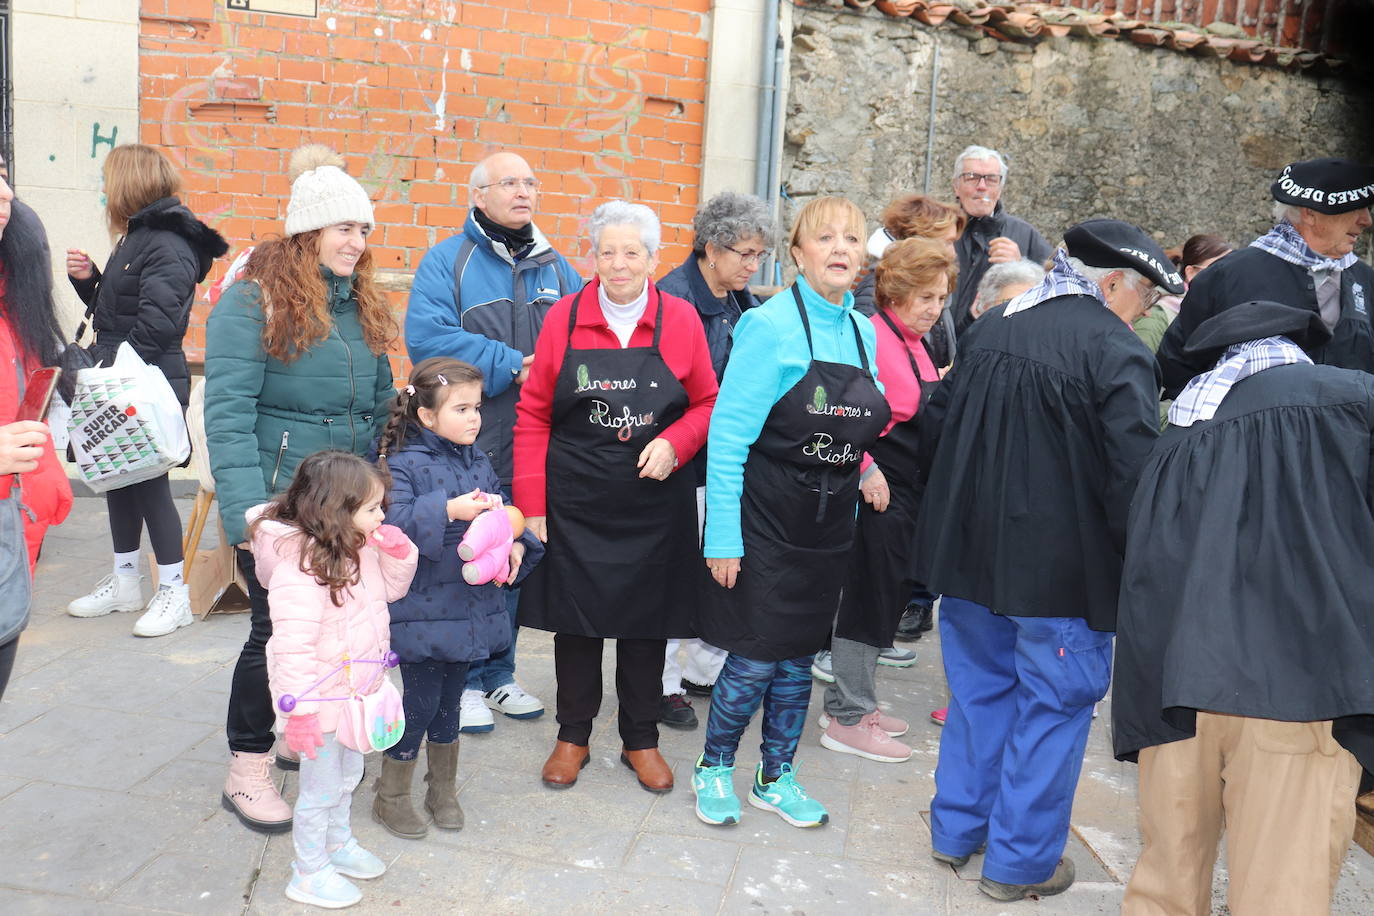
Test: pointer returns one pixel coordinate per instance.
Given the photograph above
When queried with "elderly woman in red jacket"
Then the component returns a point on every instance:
(618, 401)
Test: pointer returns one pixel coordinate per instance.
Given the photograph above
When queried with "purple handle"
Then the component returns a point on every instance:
(286, 703)
(391, 660)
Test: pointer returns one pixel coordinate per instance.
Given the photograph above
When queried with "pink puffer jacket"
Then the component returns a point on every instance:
(310, 635)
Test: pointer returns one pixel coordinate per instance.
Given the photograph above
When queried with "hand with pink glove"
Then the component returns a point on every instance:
(392, 541)
(303, 734)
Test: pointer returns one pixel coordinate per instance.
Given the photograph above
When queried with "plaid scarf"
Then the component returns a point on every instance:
(1062, 280)
(1202, 396)
(1287, 244)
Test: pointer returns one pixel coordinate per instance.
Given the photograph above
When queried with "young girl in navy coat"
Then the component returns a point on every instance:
(439, 483)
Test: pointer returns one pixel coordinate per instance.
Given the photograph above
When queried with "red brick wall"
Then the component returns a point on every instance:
(605, 99)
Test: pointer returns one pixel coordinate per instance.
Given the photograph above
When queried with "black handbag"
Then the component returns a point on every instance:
(75, 357)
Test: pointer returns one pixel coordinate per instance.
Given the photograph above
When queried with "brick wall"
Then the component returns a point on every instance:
(605, 99)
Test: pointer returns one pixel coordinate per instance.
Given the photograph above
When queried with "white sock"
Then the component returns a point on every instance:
(170, 574)
(126, 564)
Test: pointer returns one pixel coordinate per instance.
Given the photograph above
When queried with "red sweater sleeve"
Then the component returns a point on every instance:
(683, 344)
(535, 407)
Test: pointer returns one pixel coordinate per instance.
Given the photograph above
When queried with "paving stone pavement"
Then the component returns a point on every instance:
(112, 756)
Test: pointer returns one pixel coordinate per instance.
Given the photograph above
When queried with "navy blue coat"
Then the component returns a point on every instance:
(442, 618)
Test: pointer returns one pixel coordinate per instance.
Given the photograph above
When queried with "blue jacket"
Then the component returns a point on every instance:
(718, 319)
(442, 618)
(768, 358)
(489, 330)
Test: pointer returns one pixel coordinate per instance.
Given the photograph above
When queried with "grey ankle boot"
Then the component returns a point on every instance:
(441, 798)
(392, 808)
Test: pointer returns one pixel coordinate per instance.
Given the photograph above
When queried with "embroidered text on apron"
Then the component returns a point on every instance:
(801, 481)
(622, 553)
(881, 572)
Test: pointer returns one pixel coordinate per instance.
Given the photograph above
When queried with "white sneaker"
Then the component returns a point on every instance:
(473, 715)
(169, 610)
(514, 702)
(112, 593)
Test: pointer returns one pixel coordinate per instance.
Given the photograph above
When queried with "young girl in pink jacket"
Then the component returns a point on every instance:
(329, 566)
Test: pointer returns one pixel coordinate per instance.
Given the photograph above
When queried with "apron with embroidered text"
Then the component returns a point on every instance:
(801, 483)
(881, 573)
(622, 553)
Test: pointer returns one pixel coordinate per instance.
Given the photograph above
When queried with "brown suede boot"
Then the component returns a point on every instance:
(441, 798)
(392, 808)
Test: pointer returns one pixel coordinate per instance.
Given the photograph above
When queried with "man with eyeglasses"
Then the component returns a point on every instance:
(481, 296)
(991, 235)
(1033, 443)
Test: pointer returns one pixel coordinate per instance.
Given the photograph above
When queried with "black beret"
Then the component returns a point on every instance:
(1325, 185)
(1113, 243)
(1254, 321)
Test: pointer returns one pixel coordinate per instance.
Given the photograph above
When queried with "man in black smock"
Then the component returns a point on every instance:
(1321, 207)
(1037, 435)
(1245, 659)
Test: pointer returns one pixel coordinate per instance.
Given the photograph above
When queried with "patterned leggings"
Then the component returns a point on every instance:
(319, 824)
(784, 689)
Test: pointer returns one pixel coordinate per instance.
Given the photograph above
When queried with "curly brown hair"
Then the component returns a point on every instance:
(296, 301)
(329, 487)
(918, 216)
(429, 381)
(911, 265)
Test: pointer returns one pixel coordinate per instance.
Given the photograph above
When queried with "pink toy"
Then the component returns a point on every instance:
(485, 548)
(288, 702)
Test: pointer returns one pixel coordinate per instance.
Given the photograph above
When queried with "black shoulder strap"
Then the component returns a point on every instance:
(460, 263)
(892, 325)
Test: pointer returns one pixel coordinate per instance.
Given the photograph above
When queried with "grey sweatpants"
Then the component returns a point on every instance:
(855, 691)
(319, 823)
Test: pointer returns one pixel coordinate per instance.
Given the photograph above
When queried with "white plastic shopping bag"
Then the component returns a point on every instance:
(126, 424)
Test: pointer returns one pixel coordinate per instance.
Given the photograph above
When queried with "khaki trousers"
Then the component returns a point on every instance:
(1285, 793)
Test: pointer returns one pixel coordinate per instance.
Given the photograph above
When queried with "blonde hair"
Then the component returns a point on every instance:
(818, 212)
(135, 176)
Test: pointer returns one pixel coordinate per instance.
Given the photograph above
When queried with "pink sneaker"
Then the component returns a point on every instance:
(866, 739)
(938, 716)
(894, 726)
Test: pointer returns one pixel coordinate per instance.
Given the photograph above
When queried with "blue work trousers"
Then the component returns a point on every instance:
(1022, 693)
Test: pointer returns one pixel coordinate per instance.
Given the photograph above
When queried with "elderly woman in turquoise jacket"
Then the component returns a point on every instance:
(296, 361)
(798, 406)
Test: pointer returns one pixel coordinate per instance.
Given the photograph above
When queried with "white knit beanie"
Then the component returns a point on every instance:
(322, 193)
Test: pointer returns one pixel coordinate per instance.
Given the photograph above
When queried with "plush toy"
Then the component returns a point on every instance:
(485, 548)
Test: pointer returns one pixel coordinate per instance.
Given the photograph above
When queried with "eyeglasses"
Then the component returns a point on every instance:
(992, 180)
(511, 184)
(1149, 295)
(748, 257)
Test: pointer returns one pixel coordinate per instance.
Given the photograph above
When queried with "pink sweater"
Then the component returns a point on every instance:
(310, 635)
(899, 385)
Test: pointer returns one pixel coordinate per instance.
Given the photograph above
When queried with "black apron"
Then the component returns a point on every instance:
(622, 554)
(801, 482)
(881, 572)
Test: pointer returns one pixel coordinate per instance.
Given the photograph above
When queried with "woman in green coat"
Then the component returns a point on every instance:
(296, 361)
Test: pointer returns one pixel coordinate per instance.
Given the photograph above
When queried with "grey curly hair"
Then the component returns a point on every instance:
(729, 217)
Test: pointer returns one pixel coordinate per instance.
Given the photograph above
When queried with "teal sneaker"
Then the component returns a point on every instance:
(788, 799)
(717, 803)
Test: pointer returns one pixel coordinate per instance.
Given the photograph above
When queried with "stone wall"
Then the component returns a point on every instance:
(1175, 143)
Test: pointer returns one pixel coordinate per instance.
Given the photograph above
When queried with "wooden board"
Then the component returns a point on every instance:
(1364, 822)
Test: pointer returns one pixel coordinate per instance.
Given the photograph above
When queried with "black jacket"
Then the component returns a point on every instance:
(718, 319)
(972, 248)
(1037, 435)
(1247, 581)
(1250, 274)
(144, 294)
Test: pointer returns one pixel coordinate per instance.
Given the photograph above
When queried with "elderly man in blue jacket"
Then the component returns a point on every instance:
(481, 296)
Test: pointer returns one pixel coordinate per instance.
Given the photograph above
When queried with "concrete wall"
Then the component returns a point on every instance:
(75, 97)
(1176, 143)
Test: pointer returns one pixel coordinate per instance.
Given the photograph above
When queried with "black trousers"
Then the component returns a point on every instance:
(638, 686)
(148, 503)
(251, 717)
(7, 653)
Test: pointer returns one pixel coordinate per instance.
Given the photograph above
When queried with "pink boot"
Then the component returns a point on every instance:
(252, 796)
